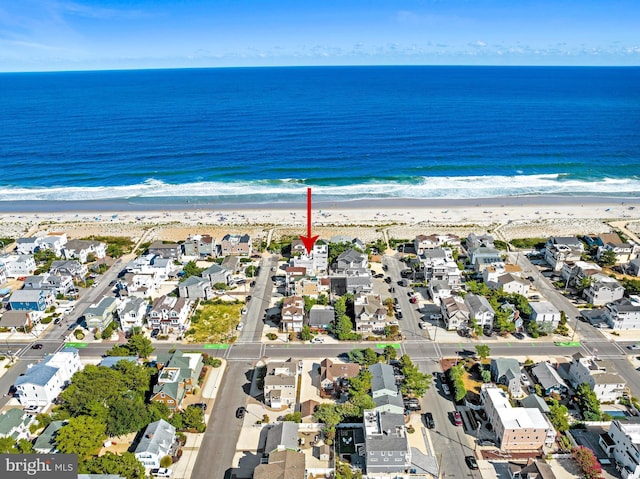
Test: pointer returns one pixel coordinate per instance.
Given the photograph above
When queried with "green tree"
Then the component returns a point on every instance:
(8, 445)
(344, 471)
(293, 417)
(344, 328)
(558, 416)
(588, 403)
(415, 383)
(483, 351)
(24, 446)
(120, 350)
(158, 410)
(608, 258)
(82, 435)
(456, 374)
(126, 415)
(361, 384)
(125, 465)
(486, 375)
(306, 334)
(194, 418)
(191, 269)
(585, 283)
(533, 328)
(370, 357)
(309, 302)
(140, 345)
(389, 353)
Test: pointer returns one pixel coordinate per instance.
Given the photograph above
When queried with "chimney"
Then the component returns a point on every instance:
(149, 435)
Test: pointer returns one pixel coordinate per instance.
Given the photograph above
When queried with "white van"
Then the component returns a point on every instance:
(161, 472)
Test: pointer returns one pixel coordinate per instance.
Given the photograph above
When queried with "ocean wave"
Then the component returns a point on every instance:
(286, 189)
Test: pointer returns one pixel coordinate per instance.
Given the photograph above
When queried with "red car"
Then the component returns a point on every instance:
(457, 418)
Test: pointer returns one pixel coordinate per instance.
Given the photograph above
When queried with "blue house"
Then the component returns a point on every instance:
(28, 300)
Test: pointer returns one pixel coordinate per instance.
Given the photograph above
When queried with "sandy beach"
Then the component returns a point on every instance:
(508, 218)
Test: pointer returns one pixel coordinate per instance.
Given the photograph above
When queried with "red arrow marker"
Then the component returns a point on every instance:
(308, 240)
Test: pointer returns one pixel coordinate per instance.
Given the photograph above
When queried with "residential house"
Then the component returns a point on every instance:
(547, 376)
(237, 245)
(311, 287)
(179, 373)
(43, 382)
(292, 314)
(140, 285)
(292, 274)
(573, 273)
(455, 313)
(516, 429)
(317, 262)
(46, 441)
(607, 386)
(54, 241)
(217, 274)
(532, 469)
(624, 252)
(604, 290)
(18, 265)
(281, 436)
(232, 263)
(623, 445)
(280, 383)
(157, 442)
(171, 251)
(438, 265)
(49, 282)
(507, 371)
(199, 247)
(633, 268)
(480, 311)
(20, 319)
(474, 241)
(483, 252)
(562, 249)
(131, 313)
(422, 243)
(27, 245)
(28, 300)
(491, 273)
(3, 274)
(98, 316)
(483, 262)
(14, 423)
(387, 448)
(169, 313)
(285, 464)
(82, 249)
(351, 261)
(545, 314)
(511, 284)
(195, 287)
(438, 290)
(369, 313)
(384, 389)
(334, 377)
(156, 265)
(321, 317)
(623, 313)
(111, 361)
(69, 267)
(514, 315)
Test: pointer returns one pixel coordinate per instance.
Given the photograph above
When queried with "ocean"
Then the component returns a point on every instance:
(254, 135)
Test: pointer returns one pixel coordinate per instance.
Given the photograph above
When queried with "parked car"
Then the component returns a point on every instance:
(457, 418)
(154, 333)
(471, 462)
(428, 420)
(240, 326)
(240, 412)
(201, 405)
(317, 340)
(161, 472)
(36, 346)
(525, 379)
(518, 335)
(423, 325)
(446, 390)
(634, 347)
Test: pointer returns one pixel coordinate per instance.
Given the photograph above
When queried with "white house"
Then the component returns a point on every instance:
(81, 249)
(17, 265)
(43, 381)
(132, 312)
(169, 312)
(455, 313)
(623, 313)
(317, 262)
(480, 310)
(157, 441)
(545, 314)
(280, 383)
(624, 446)
(603, 290)
(292, 314)
(607, 386)
(560, 250)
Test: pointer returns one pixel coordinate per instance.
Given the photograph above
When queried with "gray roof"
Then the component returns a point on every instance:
(283, 435)
(101, 307)
(386, 400)
(351, 256)
(26, 295)
(502, 366)
(47, 440)
(11, 419)
(132, 304)
(157, 438)
(434, 253)
(535, 401)
(321, 315)
(565, 240)
(477, 304)
(111, 361)
(393, 437)
(543, 307)
(38, 374)
(547, 376)
(383, 377)
(191, 281)
(214, 269)
(13, 319)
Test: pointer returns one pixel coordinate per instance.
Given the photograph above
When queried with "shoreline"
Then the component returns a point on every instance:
(126, 205)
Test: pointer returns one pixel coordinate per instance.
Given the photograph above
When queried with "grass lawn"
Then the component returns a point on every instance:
(214, 323)
(471, 384)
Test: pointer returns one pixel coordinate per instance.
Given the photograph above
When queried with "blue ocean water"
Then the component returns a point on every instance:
(266, 134)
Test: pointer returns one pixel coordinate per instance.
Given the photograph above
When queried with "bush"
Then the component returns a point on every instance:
(78, 334)
(46, 320)
(166, 461)
(216, 363)
(272, 336)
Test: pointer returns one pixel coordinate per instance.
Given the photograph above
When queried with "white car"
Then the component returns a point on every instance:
(423, 325)
(317, 340)
(244, 310)
(240, 326)
(161, 472)
(525, 379)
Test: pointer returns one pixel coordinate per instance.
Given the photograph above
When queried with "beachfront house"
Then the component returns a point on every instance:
(624, 252)
(292, 314)
(51, 241)
(171, 251)
(280, 383)
(199, 247)
(474, 241)
(100, 315)
(350, 261)
(603, 290)
(316, 262)
(18, 265)
(42, 382)
(169, 313)
(153, 264)
(84, 250)
(455, 313)
(236, 245)
(545, 314)
(437, 264)
(132, 312)
(158, 441)
(607, 386)
(559, 250)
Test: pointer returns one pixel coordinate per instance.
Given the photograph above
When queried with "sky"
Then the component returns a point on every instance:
(45, 35)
